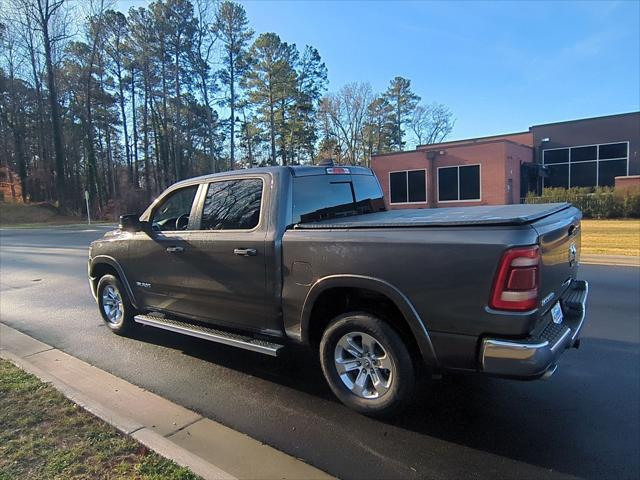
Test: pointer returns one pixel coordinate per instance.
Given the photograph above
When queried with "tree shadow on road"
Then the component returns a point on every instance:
(583, 421)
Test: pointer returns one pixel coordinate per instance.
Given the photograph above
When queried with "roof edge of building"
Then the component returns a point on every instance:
(403, 152)
(472, 139)
(438, 146)
(625, 114)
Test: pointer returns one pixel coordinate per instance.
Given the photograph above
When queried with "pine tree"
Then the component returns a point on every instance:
(270, 84)
(379, 128)
(116, 32)
(403, 101)
(312, 81)
(231, 26)
(175, 19)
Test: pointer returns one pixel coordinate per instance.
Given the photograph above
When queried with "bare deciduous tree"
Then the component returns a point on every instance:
(432, 123)
(50, 20)
(346, 112)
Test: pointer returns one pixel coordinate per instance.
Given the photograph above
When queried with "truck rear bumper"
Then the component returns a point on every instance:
(538, 355)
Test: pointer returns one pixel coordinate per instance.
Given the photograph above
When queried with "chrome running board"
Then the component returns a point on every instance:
(211, 334)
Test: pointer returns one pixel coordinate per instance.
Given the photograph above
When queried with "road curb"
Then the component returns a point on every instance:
(150, 419)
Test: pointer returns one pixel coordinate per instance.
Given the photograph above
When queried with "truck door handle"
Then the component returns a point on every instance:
(245, 252)
(175, 249)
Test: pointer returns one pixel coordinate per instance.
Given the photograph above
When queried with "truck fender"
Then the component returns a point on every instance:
(377, 285)
(107, 260)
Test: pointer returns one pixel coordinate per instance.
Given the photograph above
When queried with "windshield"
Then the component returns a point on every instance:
(321, 197)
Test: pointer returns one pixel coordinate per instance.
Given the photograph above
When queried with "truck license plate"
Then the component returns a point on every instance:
(556, 313)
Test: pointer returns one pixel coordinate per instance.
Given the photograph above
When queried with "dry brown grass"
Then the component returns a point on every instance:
(611, 237)
(45, 436)
(32, 214)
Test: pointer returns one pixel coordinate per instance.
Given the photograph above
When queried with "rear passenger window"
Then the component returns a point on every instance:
(232, 205)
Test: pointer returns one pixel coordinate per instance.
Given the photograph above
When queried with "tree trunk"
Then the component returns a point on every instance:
(398, 126)
(164, 150)
(44, 160)
(249, 140)
(177, 152)
(101, 187)
(135, 173)
(272, 126)
(162, 157)
(124, 119)
(207, 105)
(283, 140)
(113, 171)
(16, 124)
(92, 173)
(145, 127)
(232, 118)
(55, 116)
(18, 138)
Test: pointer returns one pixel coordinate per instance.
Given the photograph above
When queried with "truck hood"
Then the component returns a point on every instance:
(454, 216)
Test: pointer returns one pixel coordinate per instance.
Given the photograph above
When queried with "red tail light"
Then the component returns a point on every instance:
(516, 284)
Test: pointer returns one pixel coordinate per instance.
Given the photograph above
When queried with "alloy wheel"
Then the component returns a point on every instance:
(363, 364)
(112, 304)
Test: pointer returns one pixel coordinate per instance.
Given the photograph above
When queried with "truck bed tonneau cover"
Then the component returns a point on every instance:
(439, 217)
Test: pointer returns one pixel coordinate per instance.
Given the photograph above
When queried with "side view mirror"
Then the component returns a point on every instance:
(130, 223)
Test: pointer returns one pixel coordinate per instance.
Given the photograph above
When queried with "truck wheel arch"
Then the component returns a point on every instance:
(391, 293)
(103, 264)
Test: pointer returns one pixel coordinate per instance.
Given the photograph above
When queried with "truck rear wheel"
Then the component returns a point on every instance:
(115, 306)
(367, 364)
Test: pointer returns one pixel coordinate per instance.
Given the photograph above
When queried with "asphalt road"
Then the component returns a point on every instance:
(584, 421)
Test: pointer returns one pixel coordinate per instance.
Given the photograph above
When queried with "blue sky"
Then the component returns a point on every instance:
(500, 66)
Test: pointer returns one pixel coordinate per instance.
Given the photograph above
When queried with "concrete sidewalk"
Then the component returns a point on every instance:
(208, 448)
(617, 260)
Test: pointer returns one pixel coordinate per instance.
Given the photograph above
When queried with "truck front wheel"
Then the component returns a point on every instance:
(115, 307)
(367, 364)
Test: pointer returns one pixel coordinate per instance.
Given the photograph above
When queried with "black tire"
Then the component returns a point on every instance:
(124, 323)
(402, 377)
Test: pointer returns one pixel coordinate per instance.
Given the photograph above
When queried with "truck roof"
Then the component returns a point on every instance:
(294, 170)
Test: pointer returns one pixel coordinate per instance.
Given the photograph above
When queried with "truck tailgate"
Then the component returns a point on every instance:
(559, 238)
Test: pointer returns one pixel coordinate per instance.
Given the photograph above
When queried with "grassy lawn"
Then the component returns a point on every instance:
(45, 436)
(611, 237)
(13, 214)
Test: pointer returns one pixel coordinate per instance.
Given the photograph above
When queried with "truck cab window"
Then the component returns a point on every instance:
(320, 197)
(173, 212)
(232, 205)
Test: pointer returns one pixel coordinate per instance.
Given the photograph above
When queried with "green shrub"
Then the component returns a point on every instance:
(598, 202)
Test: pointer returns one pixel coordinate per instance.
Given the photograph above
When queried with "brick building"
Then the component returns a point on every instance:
(501, 169)
(10, 185)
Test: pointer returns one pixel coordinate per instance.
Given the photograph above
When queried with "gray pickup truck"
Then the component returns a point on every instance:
(263, 258)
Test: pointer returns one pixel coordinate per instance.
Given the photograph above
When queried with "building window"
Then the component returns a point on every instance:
(586, 166)
(459, 184)
(408, 186)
